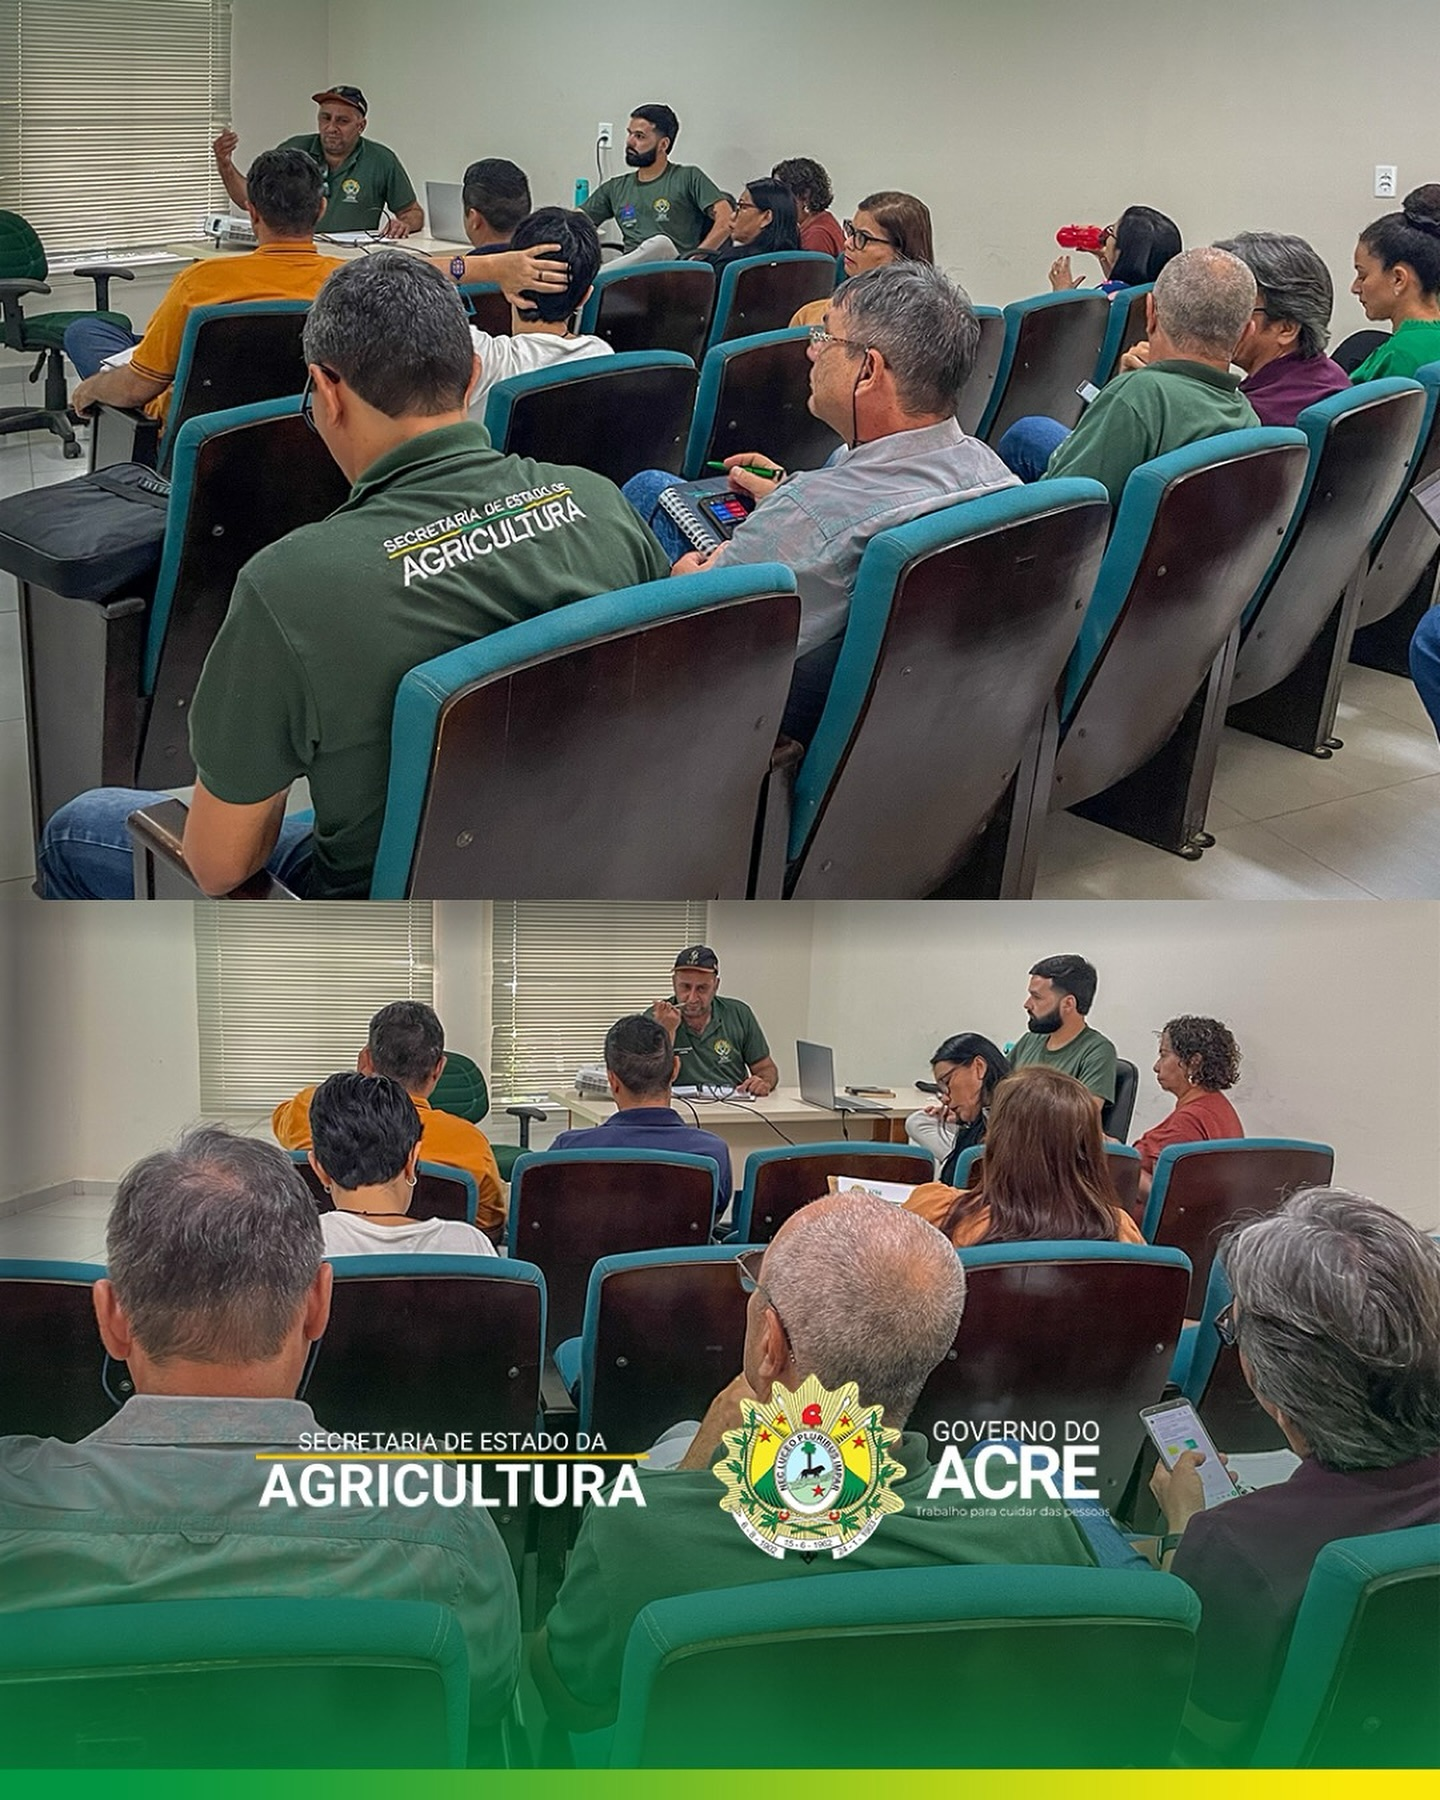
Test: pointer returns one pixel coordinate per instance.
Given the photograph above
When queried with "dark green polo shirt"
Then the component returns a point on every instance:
(675, 205)
(681, 1542)
(441, 542)
(725, 1051)
(370, 178)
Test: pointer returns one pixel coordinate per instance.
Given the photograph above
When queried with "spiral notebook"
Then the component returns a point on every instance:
(706, 511)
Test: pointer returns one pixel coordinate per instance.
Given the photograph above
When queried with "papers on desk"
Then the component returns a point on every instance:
(898, 1192)
(709, 1093)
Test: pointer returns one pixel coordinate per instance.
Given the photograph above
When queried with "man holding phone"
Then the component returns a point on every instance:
(718, 1041)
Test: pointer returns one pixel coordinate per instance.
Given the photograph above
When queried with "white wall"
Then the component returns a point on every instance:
(1009, 120)
(1333, 1006)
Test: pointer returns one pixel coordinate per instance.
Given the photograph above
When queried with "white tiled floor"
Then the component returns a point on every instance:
(70, 1229)
(1364, 823)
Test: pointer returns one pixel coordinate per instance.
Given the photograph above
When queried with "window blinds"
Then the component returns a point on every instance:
(107, 113)
(564, 972)
(285, 993)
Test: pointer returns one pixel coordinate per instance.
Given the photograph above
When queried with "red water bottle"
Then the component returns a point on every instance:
(1080, 237)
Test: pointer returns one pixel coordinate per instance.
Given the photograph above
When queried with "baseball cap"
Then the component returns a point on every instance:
(698, 956)
(349, 95)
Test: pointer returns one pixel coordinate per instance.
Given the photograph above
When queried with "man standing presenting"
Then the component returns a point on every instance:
(661, 198)
(1061, 993)
(719, 1042)
(362, 177)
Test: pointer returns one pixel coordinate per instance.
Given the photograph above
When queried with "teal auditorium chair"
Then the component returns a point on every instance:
(50, 1350)
(463, 1091)
(753, 395)
(663, 1333)
(234, 355)
(568, 1208)
(1116, 1114)
(1145, 692)
(1198, 1191)
(476, 758)
(975, 396)
(1051, 343)
(1209, 1374)
(779, 1181)
(488, 308)
(1400, 583)
(441, 1191)
(434, 1344)
(1124, 328)
(616, 415)
(1297, 631)
(242, 1683)
(23, 268)
(1358, 1690)
(1124, 1165)
(110, 674)
(763, 293)
(929, 770)
(652, 306)
(1064, 1333)
(911, 1668)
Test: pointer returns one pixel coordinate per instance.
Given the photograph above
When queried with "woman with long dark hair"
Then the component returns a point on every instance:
(1133, 251)
(1044, 1174)
(764, 223)
(967, 1068)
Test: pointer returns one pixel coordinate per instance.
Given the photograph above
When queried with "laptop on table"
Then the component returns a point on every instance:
(817, 1082)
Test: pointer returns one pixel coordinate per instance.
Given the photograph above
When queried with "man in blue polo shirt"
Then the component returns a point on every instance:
(641, 1064)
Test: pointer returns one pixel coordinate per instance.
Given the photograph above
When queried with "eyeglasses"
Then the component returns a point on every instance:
(1224, 1323)
(746, 206)
(820, 337)
(747, 1267)
(862, 240)
(307, 395)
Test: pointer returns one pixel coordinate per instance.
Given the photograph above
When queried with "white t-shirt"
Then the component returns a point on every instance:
(501, 357)
(347, 1234)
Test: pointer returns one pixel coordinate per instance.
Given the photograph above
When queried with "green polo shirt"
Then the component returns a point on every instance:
(370, 178)
(1089, 1058)
(674, 205)
(441, 542)
(1146, 412)
(1409, 347)
(681, 1542)
(724, 1053)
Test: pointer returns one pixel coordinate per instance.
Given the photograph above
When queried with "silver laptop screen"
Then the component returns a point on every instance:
(817, 1073)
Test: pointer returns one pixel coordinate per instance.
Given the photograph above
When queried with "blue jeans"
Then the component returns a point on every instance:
(89, 341)
(643, 491)
(86, 853)
(1425, 663)
(1028, 445)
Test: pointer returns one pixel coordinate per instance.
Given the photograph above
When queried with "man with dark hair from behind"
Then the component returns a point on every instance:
(494, 198)
(641, 1066)
(406, 1041)
(660, 198)
(542, 327)
(286, 201)
(1060, 994)
(214, 1293)
(293, 685)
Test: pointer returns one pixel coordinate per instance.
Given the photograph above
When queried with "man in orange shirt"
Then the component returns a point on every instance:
(286, 199)
(407, 1043)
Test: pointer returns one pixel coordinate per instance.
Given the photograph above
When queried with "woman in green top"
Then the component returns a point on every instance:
(1397, 277)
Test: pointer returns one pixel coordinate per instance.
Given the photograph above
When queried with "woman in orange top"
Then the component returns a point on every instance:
(1198, 1058)
(1044, 1175)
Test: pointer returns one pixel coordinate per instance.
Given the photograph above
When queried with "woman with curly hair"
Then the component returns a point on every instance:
(808, 182)
(1198, 1058)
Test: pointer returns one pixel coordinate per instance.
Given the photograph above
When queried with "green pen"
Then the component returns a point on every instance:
(754, 468)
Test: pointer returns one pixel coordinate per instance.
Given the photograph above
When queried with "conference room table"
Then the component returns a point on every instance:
(419, 243)
(779, 1118)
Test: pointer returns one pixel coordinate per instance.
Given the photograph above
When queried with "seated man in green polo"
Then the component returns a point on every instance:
(851, 1288)
(719, 1042)
(363, 179)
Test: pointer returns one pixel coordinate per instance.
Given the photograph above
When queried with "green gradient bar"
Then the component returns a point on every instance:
(716, 1784)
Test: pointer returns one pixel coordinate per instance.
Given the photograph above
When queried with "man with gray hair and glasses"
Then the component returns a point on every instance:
(886, 369)
(1200, 306)
(852, 1288)
(442, 541)
(216, 1290)
(1336, 1317)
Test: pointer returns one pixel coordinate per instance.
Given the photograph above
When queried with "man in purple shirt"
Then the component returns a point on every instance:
(1283, 349)
(1337, 1319)
(640, 1065)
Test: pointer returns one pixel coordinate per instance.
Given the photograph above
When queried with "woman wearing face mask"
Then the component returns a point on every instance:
(1397, 279)
(1198, 1059)
(966, 1068)
(764, 224)
(888, 227)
